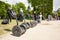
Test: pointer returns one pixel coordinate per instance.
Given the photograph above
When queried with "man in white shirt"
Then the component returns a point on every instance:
(40, 17)
(21, 15)
(49, 17)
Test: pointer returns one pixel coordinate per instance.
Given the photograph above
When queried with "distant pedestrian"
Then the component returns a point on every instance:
(35, 16)
(56, 17)
(49, 17)
(40, 17)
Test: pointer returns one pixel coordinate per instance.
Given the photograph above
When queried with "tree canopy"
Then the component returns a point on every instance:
(43, 6)
(3, 7)
(58, 11)
(17, 7)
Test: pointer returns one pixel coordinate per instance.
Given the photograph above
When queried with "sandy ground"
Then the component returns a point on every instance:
(43, 31)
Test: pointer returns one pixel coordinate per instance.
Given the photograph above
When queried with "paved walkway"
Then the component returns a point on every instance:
(43, 31)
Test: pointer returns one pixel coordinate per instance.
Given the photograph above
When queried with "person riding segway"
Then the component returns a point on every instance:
(20, 15)
(9, 11)
(8, 17)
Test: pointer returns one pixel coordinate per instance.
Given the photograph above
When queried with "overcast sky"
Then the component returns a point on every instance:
(56, 3)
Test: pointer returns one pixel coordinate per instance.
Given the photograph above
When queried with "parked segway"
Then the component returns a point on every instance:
(20, 15)
(34, 22)
(30, 23)
(18, 30)
(5, 21)
(11, 14)
(38, 18)
(24, 24)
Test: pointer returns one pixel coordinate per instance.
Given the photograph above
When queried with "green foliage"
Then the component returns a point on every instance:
(43, 6)
(58, 11)
(21, 5)
(3, 9)
(17, 7)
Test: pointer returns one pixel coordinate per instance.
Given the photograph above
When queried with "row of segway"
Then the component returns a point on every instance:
(18, 30)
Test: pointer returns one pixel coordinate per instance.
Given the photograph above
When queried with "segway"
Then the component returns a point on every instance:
(25, 24)
(38, 18)
(18, 30)
(33, 23)
(11, 14)
(5, 21)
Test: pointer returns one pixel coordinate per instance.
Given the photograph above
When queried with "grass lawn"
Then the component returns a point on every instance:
(8, 27)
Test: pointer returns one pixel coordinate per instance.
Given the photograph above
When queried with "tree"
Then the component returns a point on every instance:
(58, 11)
(3, 9)
(44, 6)
(21, 5)
(17, 7)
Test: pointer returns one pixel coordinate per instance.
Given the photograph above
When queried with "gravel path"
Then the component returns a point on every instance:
(43, 31)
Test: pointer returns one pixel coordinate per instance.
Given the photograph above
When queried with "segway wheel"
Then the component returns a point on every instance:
(17, 30)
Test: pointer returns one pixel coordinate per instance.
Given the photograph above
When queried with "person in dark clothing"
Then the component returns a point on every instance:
(21, 14)
(9, 11)
(35, 16)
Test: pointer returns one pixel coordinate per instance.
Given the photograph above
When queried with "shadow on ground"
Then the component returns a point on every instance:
(8, 30)
(17, 35)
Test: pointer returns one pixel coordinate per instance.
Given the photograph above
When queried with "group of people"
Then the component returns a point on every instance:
(37, 17)
(12, 14)
(51, 18)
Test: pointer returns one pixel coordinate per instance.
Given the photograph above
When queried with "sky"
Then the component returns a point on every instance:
(56, 3)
